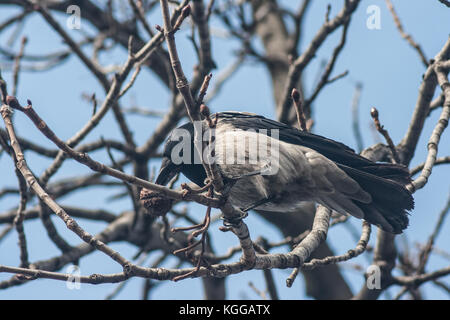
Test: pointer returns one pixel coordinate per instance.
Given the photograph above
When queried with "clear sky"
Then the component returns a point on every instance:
(389, 69)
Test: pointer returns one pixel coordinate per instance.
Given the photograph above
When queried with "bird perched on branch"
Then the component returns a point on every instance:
(273, 167)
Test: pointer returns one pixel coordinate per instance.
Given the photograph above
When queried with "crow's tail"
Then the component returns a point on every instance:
(390, 199)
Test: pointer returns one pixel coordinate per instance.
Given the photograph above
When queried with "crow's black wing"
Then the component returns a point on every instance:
(333, 150)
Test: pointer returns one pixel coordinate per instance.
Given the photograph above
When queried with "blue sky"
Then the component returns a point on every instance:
(389, 69)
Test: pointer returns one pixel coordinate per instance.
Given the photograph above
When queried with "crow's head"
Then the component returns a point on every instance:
(180, 155)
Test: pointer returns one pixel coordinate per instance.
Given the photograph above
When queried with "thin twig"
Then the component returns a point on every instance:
(223, 76)
(52, 232)
(290, 280)
(4, 232)
(270, 283)
(203, 89)
(436, 103)
(425, 252)
(417, 280)
(404, 35)
(16, 69)
(260, 293)
(298, 22)
(143, 112)
(209, 9)
(325, 79)
(200, 18)
(419, 168)
(200, 229)
(139, 13)
(17, 18)
(359, 249)
(355, 118)
(385, 133)
(298, 103)
(18, 220)
(442, 285)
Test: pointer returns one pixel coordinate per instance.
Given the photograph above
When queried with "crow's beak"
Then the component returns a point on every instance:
(167, 172)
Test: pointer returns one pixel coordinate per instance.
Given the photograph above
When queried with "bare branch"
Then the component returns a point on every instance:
(426, 91)
(14, 19)
(32, 182)
(18, 220)
(268, 261)
(271, 287)
(437, 132)
(417, 280)
(359, 249)
(325, 79)
(302, 61)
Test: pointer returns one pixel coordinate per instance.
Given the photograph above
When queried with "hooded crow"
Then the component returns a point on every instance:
(273, 167)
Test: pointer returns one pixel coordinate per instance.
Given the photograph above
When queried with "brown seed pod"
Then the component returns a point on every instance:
(156, 204)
